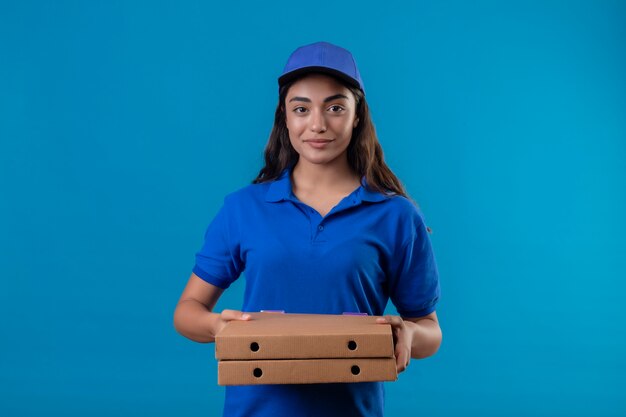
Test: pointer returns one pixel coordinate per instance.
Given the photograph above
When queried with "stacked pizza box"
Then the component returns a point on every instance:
(274, 348)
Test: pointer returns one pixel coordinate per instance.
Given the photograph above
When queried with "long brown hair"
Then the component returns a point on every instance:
(365, 155)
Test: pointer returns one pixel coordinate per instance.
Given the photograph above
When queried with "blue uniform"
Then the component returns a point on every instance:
(368, 249)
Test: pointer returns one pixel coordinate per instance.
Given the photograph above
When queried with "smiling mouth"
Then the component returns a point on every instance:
(318, 143)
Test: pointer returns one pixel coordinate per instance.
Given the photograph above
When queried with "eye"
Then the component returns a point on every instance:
(299, 110)
(336, 109)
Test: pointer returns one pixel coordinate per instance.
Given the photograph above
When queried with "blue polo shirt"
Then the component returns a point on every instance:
(368, 249)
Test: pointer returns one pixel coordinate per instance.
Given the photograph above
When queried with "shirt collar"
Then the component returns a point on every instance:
(280, 190)
(367, 194)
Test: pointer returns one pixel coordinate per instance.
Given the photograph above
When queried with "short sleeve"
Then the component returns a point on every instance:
(219, 260)
(414, 282)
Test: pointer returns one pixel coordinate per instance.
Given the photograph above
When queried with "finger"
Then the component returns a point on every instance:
(403, 358)
(401, 362)
(403, 349)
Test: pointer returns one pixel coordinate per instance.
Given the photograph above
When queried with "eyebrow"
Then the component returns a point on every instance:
(326, 100)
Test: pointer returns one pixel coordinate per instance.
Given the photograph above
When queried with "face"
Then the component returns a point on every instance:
(320, 114)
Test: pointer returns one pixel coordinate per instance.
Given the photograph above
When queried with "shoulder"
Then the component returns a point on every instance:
(405, 219)
(403, 208)
(247, 194)
(261, 193)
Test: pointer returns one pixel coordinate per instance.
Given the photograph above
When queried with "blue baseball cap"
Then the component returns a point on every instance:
(325, 58)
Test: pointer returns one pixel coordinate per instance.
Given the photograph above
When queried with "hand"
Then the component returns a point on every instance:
(402, 340)
(229, 315)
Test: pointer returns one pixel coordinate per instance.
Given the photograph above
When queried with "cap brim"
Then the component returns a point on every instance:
(300, 72)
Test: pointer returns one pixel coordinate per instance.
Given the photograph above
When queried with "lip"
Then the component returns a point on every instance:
(317, 143)
(318, 140)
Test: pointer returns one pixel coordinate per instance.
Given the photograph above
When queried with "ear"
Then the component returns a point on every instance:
(356, 122)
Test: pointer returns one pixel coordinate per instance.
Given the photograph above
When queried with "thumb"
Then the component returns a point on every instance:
(229, 315)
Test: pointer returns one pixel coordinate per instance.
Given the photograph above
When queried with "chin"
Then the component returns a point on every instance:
(318, 160)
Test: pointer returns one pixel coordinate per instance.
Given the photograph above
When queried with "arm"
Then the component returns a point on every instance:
(414, 337)
(194, 317)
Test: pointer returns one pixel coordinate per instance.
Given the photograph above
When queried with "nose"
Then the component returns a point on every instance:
(317, 122)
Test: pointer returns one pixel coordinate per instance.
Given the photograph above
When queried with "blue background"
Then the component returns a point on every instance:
(123, 125)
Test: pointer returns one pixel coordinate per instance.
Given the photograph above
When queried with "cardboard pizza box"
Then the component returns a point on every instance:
(306, 371)
(304, 336)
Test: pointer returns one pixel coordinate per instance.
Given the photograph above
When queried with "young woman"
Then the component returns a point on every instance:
(325, 228)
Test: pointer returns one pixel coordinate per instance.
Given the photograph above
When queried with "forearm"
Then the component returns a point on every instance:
(425, 337)
(195, 321)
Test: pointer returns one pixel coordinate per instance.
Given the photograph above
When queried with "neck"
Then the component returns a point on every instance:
(306, 175)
